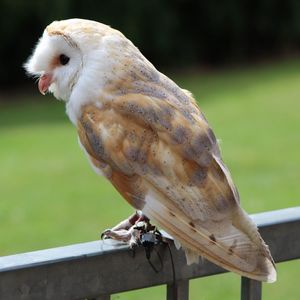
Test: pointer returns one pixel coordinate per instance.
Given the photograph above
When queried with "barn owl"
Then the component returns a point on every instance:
(150, 139)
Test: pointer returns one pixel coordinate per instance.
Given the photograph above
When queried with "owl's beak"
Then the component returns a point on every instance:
(44, 83)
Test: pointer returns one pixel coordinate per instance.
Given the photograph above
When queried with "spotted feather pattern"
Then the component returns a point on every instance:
(150, 139)
(154, 144)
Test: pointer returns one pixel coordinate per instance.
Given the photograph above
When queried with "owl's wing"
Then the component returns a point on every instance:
(164, 159)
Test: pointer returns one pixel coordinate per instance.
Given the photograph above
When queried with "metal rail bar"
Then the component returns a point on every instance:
(250, 289)
(88, 270)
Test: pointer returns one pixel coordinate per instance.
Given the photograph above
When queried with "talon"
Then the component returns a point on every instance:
(133, 245)
(141, 225)
(105, 234)
(132, 231)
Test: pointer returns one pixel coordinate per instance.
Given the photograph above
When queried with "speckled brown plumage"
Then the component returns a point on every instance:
(153, 137)
(150, 139)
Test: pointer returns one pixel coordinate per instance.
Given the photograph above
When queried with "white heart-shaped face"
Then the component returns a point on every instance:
(61, 59)
(74, 59)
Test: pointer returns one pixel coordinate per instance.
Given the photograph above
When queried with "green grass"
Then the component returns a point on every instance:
(51, 197)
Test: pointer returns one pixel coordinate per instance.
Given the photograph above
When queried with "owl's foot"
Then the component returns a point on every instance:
(129, 236)
(130, 230)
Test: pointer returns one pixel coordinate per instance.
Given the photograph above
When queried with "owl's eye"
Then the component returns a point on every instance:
(64, 59)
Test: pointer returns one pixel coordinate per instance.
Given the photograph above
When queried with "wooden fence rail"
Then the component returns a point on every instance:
(95, 270)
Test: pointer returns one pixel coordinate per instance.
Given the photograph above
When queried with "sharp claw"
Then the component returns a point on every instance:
(131, 231)
(105, 234)
(133, 245)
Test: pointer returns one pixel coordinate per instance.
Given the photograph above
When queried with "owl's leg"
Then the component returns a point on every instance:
(127, 230)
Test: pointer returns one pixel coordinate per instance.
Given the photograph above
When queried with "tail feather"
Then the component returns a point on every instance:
(191, 257)
(232, 243)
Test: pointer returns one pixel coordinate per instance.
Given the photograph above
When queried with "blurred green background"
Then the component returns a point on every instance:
(240, 61)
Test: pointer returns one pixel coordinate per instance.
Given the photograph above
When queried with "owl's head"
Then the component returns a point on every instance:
(69, 52)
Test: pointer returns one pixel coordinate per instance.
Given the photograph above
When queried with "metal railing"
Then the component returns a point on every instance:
(96, 270)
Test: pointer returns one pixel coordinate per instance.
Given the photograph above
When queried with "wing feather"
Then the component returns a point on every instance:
(165, 160)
